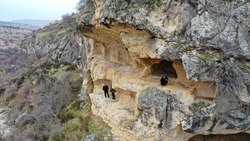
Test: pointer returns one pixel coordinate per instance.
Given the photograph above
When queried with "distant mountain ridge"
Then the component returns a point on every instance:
(18, 25)
(39, 23)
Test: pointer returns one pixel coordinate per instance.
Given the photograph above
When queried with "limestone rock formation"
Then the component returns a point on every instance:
(202, 45)
(91, 137)
(4, 129)
(60, 41)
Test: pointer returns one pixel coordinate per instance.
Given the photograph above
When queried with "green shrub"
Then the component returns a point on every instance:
(73, 111)
(56, 65)
(182, 48)
(152, 4)
(71, 75)
(227, 1)
(63, 32)
(2, 73)
(71, 67)
(79, 122)
(200, 105)
(77, 86)
(42, 35)
(245, 68)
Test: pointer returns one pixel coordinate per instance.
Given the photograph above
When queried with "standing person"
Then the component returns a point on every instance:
(113, 92)
(164, 80)
(159, 127)
(105, 89)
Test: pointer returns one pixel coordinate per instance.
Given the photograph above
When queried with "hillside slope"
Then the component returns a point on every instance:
(41, 85)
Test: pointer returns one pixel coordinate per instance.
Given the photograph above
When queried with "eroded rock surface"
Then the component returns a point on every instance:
(202, 45)
(91, 137)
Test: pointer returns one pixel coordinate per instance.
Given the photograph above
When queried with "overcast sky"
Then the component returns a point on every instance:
(35, 9)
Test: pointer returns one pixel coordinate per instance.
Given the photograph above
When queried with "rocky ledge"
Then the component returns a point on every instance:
(202, 45)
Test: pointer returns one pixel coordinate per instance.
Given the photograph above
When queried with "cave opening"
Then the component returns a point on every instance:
(164, 67)
(221, 137)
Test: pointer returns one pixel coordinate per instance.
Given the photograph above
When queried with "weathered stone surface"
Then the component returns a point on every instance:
(198, 65)
(91, 137)
(232, 103)
(152, 101)
(202, 45)
(4, 128)
(230, 137)
(158, 16)
(60, 41)
(86, 13)
(234, 38)
(209, 38)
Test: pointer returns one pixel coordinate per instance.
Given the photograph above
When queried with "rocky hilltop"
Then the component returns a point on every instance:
(203, 46)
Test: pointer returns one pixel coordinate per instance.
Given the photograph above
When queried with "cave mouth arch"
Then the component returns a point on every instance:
(164, 67)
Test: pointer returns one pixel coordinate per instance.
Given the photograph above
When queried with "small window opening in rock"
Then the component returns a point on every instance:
(163, 68)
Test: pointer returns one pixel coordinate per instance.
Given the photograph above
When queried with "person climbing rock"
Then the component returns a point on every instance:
(164, 80)
(105, 89)
(113, 92)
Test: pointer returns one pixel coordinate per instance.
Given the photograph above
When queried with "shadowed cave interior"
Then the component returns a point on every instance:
(162, 68)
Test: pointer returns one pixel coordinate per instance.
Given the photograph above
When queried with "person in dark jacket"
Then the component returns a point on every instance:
(164, 80)
(105, 89)
(113, 92)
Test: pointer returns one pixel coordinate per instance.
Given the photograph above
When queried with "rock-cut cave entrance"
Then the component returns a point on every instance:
(164, 67)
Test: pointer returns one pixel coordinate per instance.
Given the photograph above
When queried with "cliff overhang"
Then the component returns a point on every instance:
(133, 45)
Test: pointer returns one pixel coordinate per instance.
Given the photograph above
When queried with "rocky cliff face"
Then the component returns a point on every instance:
(59, 41)
(202, 45)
